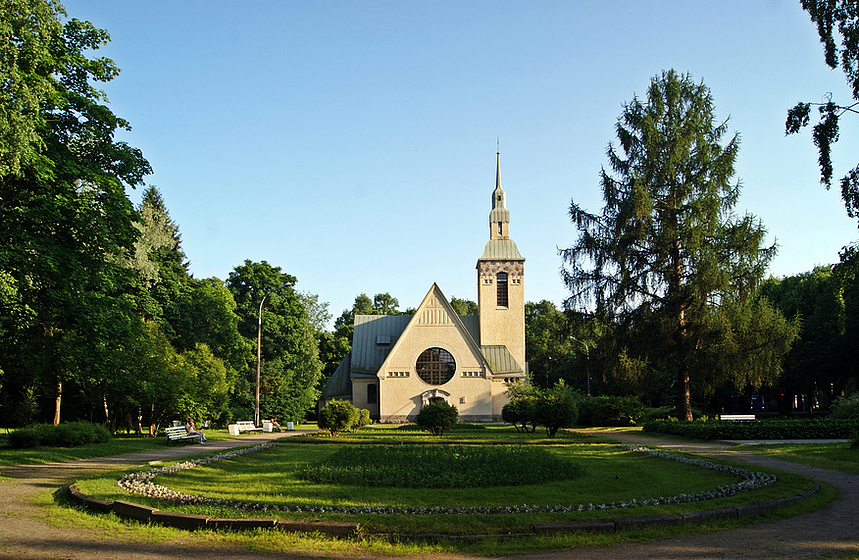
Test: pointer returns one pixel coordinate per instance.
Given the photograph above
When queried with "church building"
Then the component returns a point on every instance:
(399, 363)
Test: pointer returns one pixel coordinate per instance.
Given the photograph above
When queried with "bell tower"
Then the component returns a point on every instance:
(501, 281)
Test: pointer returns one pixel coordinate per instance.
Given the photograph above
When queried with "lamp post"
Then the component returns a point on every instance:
(259, 349)
(587, 361)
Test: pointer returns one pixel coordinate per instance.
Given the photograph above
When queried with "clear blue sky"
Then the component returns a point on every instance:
(333, 138)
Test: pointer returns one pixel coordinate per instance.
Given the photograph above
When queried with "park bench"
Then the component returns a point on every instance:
(178, 433)
(733, 417)
(239, 427)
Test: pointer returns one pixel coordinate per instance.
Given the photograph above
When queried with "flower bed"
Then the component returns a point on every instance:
(142, 483)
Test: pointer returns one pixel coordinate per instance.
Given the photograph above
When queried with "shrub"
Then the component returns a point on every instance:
(854, 439)
(846, 407)
(23, 438)
(556, 408)
(71, 434)
(337, 416)
(777, 428)
(362, 420)
(437, 417)
(520, 412)
(610, 411)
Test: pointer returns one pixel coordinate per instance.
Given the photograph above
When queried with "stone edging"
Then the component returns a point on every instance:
(145, 514)
(130, 510)
(694, 517)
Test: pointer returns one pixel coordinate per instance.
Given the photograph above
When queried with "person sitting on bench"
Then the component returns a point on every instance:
(275, 427)
(192, 430)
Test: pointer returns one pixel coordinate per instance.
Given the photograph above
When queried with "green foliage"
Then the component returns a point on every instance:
(362, 420)
(290, 366)
(338, 416)
(65, 221)
(666, 262)
(520, 410)
(71, 434)
(792, 428)
(440, 466)
(437, 416)
(846, 407)
(824, 355)
(854, 439)
(836, 20)
(463, 306)
(610, 411)
(556, 408)
(552, 355)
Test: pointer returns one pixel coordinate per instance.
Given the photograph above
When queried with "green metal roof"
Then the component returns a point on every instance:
(373, 338)
(339, 386)
(500, 360)
(501, 250)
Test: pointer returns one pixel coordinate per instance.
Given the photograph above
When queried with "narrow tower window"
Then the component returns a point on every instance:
(501, 289)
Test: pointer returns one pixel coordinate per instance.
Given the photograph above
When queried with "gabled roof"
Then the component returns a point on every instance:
(427, 314)
(376, 336)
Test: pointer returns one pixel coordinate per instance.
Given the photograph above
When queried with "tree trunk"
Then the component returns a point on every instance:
(58, 403)
(107, 413)
(684, 392)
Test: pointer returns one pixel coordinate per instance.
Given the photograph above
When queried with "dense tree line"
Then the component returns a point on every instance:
(99, 317)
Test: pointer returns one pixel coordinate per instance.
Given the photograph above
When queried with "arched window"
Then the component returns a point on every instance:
(436, 366)
(501, 289)
(372, 393)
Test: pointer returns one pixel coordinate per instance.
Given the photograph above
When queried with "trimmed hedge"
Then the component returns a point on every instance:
(776, 428)
(70, 434)
(610, 411)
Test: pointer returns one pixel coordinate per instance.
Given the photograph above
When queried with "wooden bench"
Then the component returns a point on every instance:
(239, 427)
(732, 417)
(178, 433)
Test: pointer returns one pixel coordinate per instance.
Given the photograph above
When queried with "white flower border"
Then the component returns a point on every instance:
(142, 483)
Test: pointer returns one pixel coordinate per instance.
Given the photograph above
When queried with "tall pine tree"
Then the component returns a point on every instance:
(667, 252)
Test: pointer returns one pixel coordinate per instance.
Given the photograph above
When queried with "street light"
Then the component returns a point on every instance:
(259, 348)
(587, 361)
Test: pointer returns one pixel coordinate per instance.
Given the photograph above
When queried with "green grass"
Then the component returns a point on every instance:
(833, 456)
(118, 445)
(611, 474)
(439, 466)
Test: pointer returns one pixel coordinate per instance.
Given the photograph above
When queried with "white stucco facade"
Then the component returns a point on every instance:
(399, 363)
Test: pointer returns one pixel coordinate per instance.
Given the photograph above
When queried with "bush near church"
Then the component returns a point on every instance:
(557, 408)
(437, 417)
(338, 416)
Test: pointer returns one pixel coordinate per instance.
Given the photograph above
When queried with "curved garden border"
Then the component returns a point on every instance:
(141, 483)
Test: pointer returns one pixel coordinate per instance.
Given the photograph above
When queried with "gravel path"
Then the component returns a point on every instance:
(26, 532)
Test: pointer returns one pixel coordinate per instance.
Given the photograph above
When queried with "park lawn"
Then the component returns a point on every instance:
(611, 474)
(832, 456)
(118, 445)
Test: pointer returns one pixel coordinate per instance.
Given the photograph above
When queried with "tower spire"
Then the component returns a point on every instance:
(499, 216)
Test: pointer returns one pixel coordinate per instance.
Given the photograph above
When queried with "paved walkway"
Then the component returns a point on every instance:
(27, 533)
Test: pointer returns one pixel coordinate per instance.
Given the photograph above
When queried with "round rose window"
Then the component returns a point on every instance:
(436, 366)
